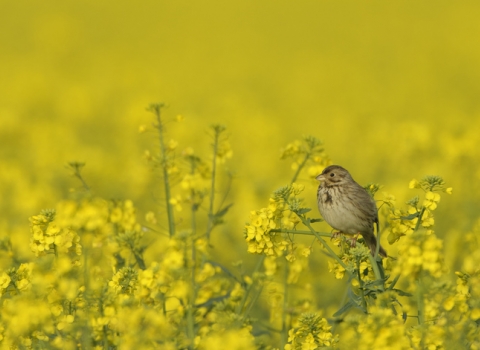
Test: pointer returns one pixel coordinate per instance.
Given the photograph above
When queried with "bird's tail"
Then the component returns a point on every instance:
(371, 242)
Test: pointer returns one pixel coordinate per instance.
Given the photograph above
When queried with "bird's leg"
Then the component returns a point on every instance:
(353, 240)
(336, 234)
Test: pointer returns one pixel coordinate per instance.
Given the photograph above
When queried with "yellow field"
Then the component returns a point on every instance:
(392, 91)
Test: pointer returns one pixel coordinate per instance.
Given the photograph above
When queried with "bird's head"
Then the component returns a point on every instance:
(334, 175)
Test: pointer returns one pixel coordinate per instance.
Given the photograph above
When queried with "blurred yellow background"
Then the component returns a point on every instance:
(392, 88)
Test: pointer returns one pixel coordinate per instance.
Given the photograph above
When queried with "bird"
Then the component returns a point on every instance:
(348, 207)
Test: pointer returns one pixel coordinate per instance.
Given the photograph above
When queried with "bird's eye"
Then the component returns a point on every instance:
(332, 174)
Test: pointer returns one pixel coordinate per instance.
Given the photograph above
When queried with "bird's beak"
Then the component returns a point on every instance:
(320, 177)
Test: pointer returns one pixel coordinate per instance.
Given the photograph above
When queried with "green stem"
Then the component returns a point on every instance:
(300, 232)
(362, 292)
(250, 287)
(284, 334)
(417, 226)
(171, 222)
(322, 241)
(300, 167)
(84, 184)
(421, 311)
(377, 248)
(394, 282)
(77, 167)
(193, 297)
(164, 305)
(217, 130)
(191, 306)
(376, 270)
(139, 259)
(420, 303)
(254, 300)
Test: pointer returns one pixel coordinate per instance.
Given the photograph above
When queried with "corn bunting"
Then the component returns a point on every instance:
(347, 206)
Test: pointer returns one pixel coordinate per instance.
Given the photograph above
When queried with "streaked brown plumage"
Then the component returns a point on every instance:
(347, 206)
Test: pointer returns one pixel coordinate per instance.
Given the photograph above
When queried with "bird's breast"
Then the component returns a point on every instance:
(339, 212)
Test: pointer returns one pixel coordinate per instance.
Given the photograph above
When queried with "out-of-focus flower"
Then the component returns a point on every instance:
(311, 332)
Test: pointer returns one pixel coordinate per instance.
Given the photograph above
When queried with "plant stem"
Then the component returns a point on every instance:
(284, 334)
(421, 310)
(193, 297)
(171, 221)
(322, 241)
(250, 287)
(376, 270)
(300, 167)
(254, 300)
(420, 302)
(191, 303)
(362, 292)
(300, 232)
(217, 130)
(417, 226)
(80, 177)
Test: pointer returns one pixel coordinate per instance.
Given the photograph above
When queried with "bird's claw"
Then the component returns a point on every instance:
(335, 235)
(353, 240)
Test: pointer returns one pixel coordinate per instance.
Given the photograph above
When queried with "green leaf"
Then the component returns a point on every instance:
(344, 308)
(402, 293)
(301, 211)
(375, 283)
(410, 217)
(223, 211)
(315, 220)
(354, 298)
(224, 269)
(394, 282)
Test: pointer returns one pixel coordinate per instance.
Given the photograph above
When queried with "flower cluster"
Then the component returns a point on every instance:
(16, 280)
(405, 222)
(309, 152)
(311, 332)
(354, 259)
(101, 279)
(49, 238)
(197, 182)
(380, 329)
(124, 281)
(259, 235)
(420, 252)
(264, 232)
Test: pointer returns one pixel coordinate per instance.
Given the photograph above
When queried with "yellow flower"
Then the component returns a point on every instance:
(176, 202)
(449, 303)
(337, 269)
(206, 272)
(309, 343)
(258, 234)
(172, 144)
(4, 281)
(297, 188)
(291, 149)
(421, 251)
(313, 332)
(414, 184)
(224, 152)
(150, 218)
(431, 200)
(306, 251)
(388, 199)
(291, 257)
(475, 314)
